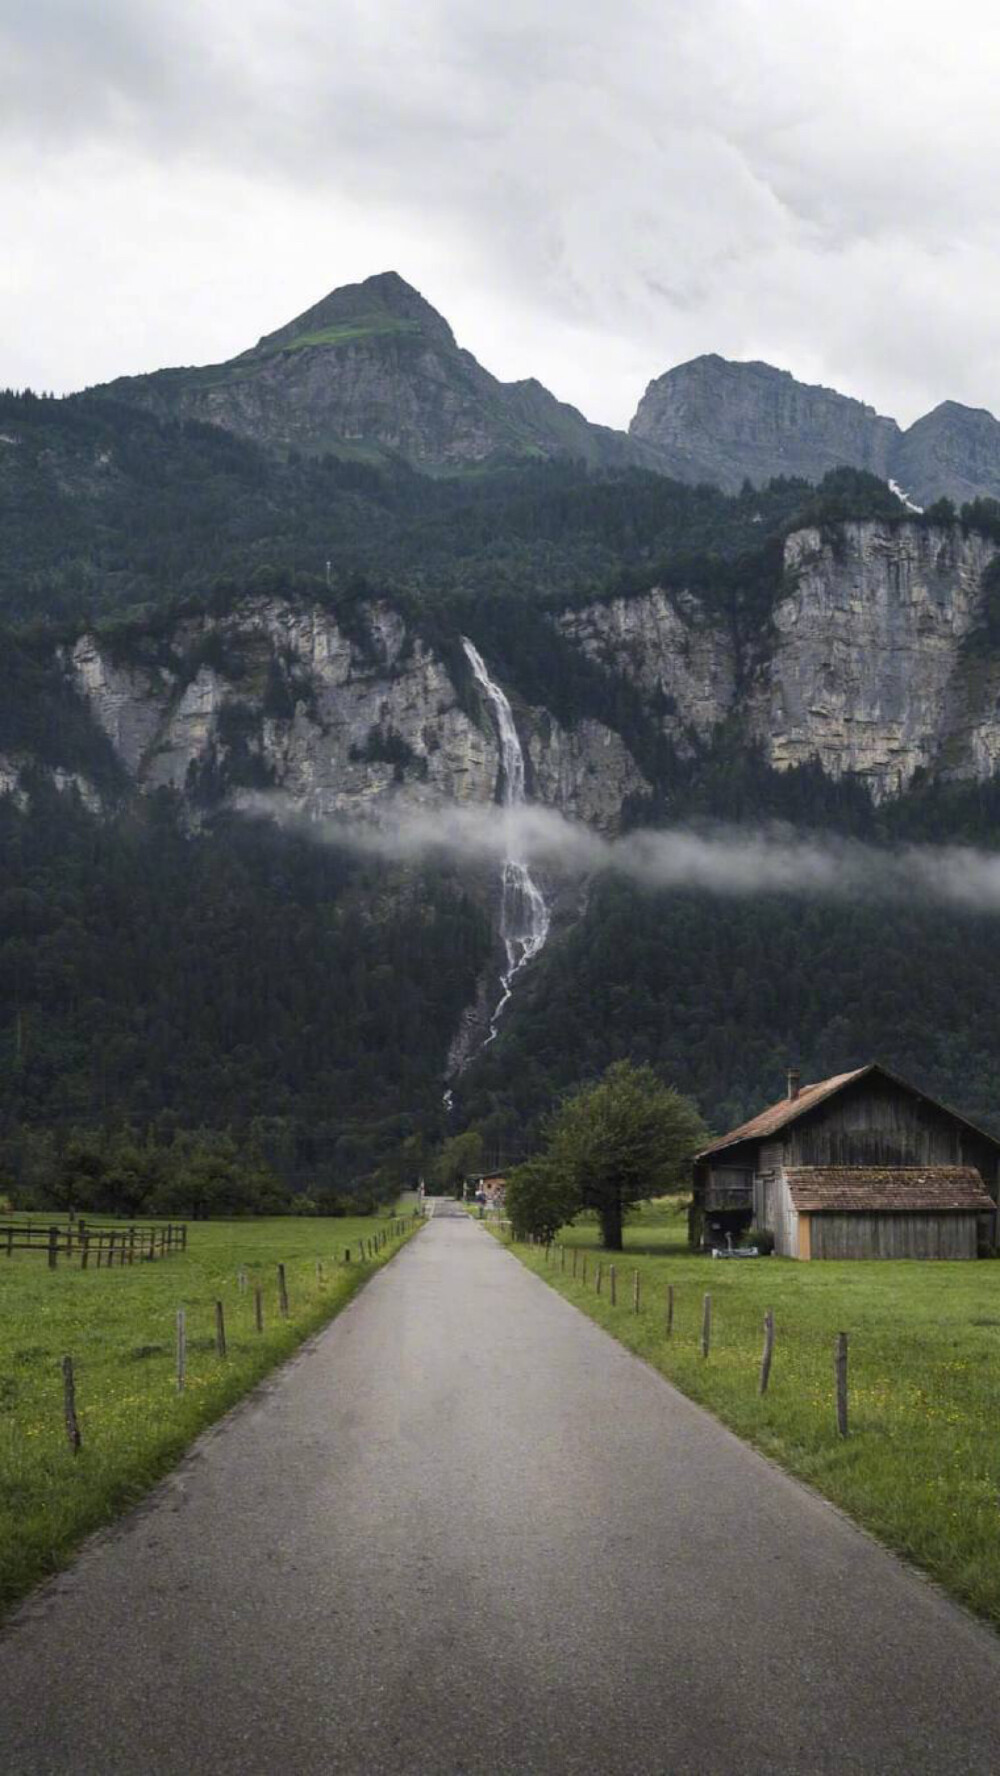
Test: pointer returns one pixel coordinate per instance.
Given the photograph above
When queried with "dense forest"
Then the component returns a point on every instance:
(160, 976)
(232, 979)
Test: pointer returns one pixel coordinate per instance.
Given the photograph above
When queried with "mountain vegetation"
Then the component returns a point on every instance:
(174, 979)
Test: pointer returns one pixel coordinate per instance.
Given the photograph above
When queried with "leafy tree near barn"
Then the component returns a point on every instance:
(622, 1140)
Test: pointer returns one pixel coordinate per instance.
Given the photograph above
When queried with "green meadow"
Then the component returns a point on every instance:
(119, 1326)
(920, 1466)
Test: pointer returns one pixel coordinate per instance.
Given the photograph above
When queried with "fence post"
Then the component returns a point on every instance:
(597, 1278)
(706, 1325)
(583, 1274)
(258, 1308)
(10, 1240)
(562, 1257)
(670, 1309)
(347, 1254)
(220, 1330)
(53, 1247)
(69, 1405)
(131, 1245)
(574, 1262)
(181, 1349)
(612, 1285)
(282, 1292)
(635, 1291)
(84, 1247)
(840, 1371)
(765, 1361)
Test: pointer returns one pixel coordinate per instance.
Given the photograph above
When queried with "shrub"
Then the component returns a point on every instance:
(762, 1238)
(539, 1200)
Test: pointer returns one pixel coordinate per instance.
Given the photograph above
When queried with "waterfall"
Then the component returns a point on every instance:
(524, 916)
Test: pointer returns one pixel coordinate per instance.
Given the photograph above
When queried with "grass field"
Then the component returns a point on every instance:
(921, 1465)
(119, 1326)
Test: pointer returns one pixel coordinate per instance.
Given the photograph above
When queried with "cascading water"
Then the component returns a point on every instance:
(524, 916)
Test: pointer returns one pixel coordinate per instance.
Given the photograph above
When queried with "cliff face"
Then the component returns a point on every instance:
(954, 451)
(734, 421)
(723, 422)
(873, 667)
(276, 696)
(875, 662)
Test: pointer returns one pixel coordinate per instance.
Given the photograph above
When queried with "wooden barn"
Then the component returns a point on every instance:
(858, 1166)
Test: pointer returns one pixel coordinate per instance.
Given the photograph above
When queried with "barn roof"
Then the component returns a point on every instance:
(768, 1121)
(892, 1189)
(786, 1110)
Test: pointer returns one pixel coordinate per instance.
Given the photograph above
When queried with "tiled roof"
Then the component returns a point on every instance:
(886, 1188)
(767, 1122)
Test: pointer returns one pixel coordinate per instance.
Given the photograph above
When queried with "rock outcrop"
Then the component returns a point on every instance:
(279, 696)
(869, 671)
(374, 368)
(733, 422)
(723, 422)
(876, 661)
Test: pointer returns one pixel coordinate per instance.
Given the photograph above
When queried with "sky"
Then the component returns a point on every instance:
(590, 190)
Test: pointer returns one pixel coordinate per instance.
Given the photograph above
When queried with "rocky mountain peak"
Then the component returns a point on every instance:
(380, 306)
(738, 420)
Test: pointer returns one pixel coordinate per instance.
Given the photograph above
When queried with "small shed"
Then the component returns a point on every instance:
(884, 1212)
(861, 1165)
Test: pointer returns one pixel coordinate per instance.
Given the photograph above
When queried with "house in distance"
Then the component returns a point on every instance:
(862, 1165)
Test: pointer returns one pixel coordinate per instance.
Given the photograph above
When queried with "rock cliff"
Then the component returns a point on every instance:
(875, 660)
(280, 696)
(723, 422)
(736, 421)
(374, 368)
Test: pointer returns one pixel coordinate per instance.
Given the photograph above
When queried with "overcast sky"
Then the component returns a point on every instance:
(590, 190)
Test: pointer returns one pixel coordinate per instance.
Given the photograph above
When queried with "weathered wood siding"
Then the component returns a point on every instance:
(940, 1235)
(880, 1124)
(784, 1222)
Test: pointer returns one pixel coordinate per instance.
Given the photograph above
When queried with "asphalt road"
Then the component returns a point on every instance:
(465, 1531)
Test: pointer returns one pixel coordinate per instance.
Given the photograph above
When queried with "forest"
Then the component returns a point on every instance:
(166, 981)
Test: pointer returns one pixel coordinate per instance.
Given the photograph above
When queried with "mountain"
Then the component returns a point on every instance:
(374, 372)
(749, 421)
(724, 422)
(845, 675)
(228, 584)
(954, 451)
(373, 368)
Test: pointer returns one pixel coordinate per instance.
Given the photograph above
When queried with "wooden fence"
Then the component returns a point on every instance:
(103, 1243)
(367, 1248)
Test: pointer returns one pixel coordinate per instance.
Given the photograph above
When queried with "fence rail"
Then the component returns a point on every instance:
(105, 1243)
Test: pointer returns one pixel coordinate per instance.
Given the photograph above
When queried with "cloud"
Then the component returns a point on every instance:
(727, 861)
(590, 191)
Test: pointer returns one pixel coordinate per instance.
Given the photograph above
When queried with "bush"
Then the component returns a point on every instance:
(539, 1200)
(762, 1238)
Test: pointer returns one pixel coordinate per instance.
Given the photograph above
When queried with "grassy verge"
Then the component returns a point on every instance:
(921, 1465)
(119, 1326)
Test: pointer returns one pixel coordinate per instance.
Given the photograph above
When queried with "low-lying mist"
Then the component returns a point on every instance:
(724, 860)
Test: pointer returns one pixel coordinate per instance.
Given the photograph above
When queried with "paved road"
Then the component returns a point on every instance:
(466, 1532)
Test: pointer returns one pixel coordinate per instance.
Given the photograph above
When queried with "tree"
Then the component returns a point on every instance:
(459, 1156)
(539, 1199)
(622, 1140)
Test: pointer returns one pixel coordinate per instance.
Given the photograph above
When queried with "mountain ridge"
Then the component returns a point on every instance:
(373, 370)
